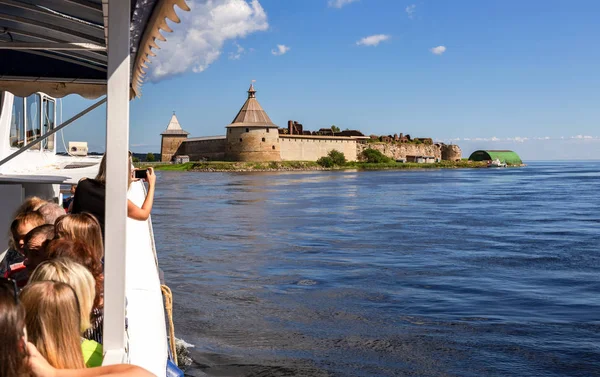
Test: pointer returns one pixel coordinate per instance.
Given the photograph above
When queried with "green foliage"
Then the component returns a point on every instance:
(337, 157)
(326, 162)
(373, 156)
(150, 157)
(335, 129)
(135, 159)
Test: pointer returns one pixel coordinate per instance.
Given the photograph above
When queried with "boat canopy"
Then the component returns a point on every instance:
(60, 47)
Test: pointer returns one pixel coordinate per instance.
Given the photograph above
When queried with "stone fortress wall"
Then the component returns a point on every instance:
(398, 151)
(311, 148)
(204, 149)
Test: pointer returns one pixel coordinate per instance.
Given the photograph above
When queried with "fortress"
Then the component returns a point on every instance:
(252, 136)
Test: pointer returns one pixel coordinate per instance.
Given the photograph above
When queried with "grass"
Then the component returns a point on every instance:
(309, 165)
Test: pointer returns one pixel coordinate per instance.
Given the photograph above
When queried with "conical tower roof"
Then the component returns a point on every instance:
(252, 114)
(174, 128)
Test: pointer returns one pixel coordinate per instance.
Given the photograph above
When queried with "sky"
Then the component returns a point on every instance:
(520, 75)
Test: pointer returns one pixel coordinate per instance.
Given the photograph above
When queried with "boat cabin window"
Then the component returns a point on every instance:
(48, 122)
(17, 125)
(34, 125)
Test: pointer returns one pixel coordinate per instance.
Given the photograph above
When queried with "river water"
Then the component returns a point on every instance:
(489, 272)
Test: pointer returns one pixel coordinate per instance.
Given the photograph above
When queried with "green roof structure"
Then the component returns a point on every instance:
(508, 157)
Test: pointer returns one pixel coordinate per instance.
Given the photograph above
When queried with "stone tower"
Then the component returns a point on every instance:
(451, 152)
(252, 136)
(172, 138)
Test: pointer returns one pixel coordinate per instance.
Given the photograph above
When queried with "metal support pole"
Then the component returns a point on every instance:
(117, 165)
(55, 130)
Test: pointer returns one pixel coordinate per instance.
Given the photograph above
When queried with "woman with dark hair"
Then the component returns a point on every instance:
(13, 356)
(90, 195)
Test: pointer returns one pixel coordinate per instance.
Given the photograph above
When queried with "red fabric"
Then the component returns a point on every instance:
(19, 273)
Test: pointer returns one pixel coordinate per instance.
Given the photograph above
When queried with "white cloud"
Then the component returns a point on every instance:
(439, 50)
(281, 49)
(339, 3)
(410, 10)
(373, 40)
(238, 53)
(208, 26)
(582, 137)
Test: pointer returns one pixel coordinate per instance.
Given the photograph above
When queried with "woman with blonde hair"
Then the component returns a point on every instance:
(80, 279)
(20, 358)
(74, 274)
(82, 254)
(82, 227)
(52, 319)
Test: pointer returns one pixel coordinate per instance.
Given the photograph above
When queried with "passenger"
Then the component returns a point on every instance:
(68, 202)
(82, 254)
(21, 225)
(19, 358)
(51, 212)
(19, 228)
(52, 319)
(82, 227)
(13, 358)
(36, 242)
(80, 279)
(35, 253)
(90, 195)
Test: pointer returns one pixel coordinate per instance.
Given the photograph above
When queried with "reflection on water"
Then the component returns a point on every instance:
(411, 273)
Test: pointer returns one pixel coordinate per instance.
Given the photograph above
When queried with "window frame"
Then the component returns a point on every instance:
(37, 147)
(21, 132)
(46, 101)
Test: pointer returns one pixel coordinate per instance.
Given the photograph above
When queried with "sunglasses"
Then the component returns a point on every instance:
(11, 285)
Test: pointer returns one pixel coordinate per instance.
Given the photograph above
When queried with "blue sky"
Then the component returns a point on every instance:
(521, 75)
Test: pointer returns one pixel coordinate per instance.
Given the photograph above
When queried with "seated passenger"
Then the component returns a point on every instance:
(81, 227)
(68, 202)
(13, 357)
(82, 254)
(51, 212)
(90, 196)
(19, 358)
(52, 319)
(36, 242)
(19, 228)
(80, 279)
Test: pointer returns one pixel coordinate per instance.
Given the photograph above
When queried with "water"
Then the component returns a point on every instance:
(491, 272)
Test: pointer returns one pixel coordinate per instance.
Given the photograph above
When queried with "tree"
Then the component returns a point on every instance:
(150, 157)
(373, 156)
(335, 129)
(337, 157)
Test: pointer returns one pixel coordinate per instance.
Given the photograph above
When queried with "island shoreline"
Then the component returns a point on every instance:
(291, 166)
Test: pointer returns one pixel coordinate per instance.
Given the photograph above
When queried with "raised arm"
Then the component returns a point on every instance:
(40, 368)
(143, 213)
